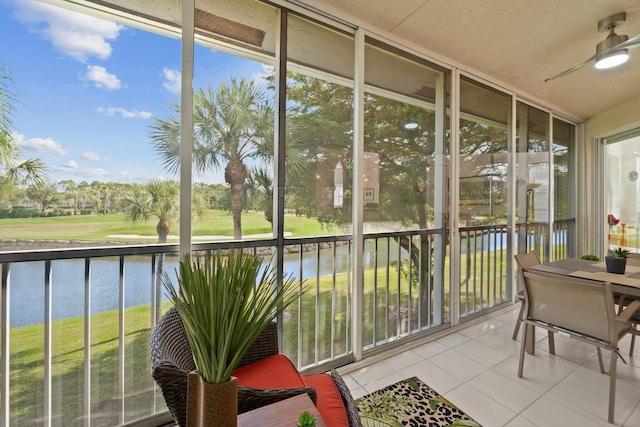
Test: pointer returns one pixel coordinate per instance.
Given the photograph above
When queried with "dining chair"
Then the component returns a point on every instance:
(580, 308)
(525, 261)
(623, 301)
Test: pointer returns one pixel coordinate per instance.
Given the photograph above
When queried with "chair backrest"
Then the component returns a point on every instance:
(169, 343)
(633, 259)
(527, 260)
(582, 306)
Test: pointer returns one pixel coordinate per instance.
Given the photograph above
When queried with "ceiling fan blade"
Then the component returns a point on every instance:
(571, 70)
(631, 42)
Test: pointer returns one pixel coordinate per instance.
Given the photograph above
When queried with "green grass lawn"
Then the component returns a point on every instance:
(101, 227)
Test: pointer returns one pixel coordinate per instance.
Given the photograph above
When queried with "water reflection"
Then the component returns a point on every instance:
(27, 295)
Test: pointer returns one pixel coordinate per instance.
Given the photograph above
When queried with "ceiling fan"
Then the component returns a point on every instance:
(611, 51)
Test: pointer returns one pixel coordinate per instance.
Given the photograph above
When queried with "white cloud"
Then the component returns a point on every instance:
(101, 78)
(127, 114)
(90, 155)
(91, 173)
(71, 164)
(41, 145)
(172, 80)
(74, 34)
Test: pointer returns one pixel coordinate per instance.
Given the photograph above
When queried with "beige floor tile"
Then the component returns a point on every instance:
(367, 375)
(453, 340)
(501, 342)
(634, 418)
(460, 366)
(508, 392)
(483, 354)
(520, 421)
(480, 407)
(404, 359)
(546, 412)
(432, 375)
(535, 378)
(430, 349)
(590, 404)
(383, 382)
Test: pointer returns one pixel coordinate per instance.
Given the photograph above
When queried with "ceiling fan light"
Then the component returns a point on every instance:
(612, 59)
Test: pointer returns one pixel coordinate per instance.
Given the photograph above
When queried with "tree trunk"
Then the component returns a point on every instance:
(424, 256)
(235, 174)
(163, 229)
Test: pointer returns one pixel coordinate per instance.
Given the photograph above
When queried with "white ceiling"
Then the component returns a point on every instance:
(515, 43)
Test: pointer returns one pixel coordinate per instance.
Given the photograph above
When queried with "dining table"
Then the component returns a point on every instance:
(627, 284)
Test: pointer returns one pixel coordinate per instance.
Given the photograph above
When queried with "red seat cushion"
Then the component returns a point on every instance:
(275, 371)
(330, 403)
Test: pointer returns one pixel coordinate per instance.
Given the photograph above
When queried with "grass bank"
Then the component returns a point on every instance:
(99, 228)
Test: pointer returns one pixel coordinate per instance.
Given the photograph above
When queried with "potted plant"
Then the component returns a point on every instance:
(616, 260)
(225, 302)
(307, 420)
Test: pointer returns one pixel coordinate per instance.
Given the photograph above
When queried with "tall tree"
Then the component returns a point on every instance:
(260, 191)
(14, 171)
(70, 190)
(43, 195)
(232, 125)
(156, 198)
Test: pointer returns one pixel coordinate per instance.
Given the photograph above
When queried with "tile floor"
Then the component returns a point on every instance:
(476, 368)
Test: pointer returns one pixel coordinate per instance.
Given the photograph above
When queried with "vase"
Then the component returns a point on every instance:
(211, 405)
(616, 265)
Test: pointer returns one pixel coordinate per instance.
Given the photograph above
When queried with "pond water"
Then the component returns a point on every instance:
(27, 296)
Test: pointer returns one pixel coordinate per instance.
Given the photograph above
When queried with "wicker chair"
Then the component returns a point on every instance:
(172, 361)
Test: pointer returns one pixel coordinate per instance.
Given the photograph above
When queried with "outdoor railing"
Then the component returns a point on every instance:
(76, 323)
(483, 268)
(537, 238)
(401, 296)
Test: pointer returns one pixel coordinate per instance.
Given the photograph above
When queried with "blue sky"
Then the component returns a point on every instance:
(88, 89)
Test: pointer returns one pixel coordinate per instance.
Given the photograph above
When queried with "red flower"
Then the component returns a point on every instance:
(612, 220)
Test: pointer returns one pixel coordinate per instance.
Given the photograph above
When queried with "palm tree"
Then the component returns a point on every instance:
(156, 198)
(13, 170)
(232, 125)
(260, 188)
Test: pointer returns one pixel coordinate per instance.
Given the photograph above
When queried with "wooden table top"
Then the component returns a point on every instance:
(285, 413)
(629, 282)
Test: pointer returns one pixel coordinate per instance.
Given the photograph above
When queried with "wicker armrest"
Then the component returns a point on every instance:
(252, 398)
(173, 383)
(347, 400)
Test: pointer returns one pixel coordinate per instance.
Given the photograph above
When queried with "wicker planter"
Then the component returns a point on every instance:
(616, 265)
(211, 405)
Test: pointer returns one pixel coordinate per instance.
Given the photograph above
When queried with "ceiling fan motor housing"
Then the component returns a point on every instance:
(609, 24)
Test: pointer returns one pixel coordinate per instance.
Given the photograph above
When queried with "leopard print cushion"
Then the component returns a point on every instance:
(410, 403)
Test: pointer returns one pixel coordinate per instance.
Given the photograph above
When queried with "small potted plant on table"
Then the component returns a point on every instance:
(616, 260)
